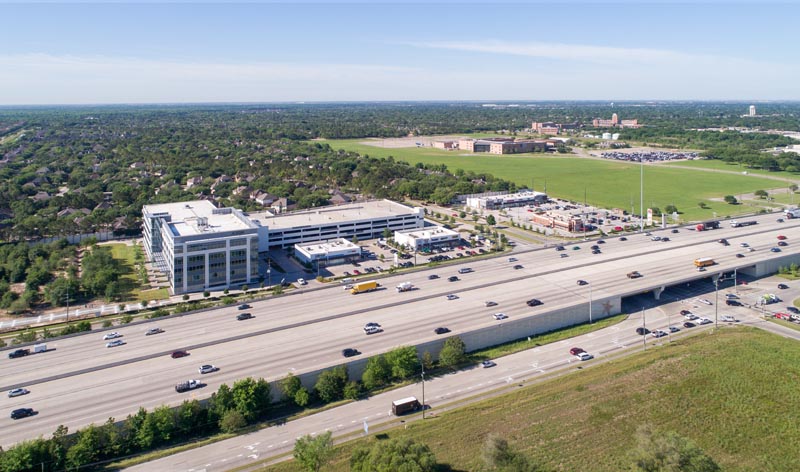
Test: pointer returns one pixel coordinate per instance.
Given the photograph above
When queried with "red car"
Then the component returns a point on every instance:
(575, 351)
(178, 354)
(783, 316)
(781, 237)
(357, 272)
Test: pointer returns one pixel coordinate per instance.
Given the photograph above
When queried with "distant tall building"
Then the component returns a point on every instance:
(614, 118)
(752, 110)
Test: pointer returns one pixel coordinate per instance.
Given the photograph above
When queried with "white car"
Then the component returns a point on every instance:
(751, 249)
(731, 296)
(704, 320)
(499, 316)
(656, 238)
(705, 301)
(207, 369)
(115, 343)
(487, 364)
(673, 329)
(17, 392)
(690, 316)
(658, 333)
(372, 330)
(302, 281)
(111, 335)
(584, 356)
(348, 287)
(728, 319)
(452, 297)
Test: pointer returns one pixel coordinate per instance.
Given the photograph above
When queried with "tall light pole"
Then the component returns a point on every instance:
(590, 303)
(423, 388)
(644, 332)
(716, 302)
(641, 194)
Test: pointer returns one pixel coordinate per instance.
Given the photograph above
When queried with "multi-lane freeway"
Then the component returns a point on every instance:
(80, 381)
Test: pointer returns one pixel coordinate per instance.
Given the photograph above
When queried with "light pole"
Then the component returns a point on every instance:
(590, 303)
(67, 303)
(641, 194)
(716, 302)
(421, 364)
(644, 332)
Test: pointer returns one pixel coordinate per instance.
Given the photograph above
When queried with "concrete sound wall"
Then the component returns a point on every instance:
(771, 266)
(502, 332)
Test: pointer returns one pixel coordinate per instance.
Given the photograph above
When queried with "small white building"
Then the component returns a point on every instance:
(335, 251)
(508, 200)
(431, 236)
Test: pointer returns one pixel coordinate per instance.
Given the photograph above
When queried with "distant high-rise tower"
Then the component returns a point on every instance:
(614, 118)
(752, 110)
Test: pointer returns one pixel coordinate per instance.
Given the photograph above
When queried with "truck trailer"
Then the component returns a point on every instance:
(405, 287)
(739, 224)
(403, 406)
(706, 225)
(363, 287)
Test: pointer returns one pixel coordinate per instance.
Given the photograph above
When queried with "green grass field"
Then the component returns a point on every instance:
(732, 167)
(734, 393)
(132, 289)
(607, 184)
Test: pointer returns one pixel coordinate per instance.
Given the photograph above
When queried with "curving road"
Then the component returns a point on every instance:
(80, 381)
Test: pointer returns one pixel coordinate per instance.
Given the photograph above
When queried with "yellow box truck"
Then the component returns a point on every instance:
(362, 287)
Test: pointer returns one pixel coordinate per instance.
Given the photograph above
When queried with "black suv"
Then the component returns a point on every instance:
(441, 330)
(452, 278)
(534, 302)
(21, 413)
(244, 306)
(18, 353)
(733, 303)
(350, 352)
(244, 316)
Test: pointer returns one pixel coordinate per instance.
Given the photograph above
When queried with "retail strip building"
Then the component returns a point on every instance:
(202, 247)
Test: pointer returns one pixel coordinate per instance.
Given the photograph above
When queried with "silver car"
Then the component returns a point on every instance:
(18, 392)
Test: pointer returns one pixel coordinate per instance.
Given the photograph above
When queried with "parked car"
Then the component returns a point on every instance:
(792, 309)
(575, 351)
(487, 364)
(178, 354)
(207, 369)
(534, 302)
(244, 316)
(686, 312)
(18, 392)
(704, 301)
(733, 303)
(441, 330)
(584, 356)
(350, 352)
(728, 319)
(21, 413)
(500, 316)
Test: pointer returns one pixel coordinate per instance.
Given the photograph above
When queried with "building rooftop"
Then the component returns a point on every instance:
(325, 247)
(429, 232)
(199, 217)
(332, 214)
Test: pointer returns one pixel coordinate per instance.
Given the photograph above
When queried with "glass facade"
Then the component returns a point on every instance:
(217, 270)
(238, 266)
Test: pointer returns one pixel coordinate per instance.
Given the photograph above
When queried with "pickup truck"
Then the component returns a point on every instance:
(188, 385)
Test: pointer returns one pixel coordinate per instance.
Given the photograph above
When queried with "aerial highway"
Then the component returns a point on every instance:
(80, 381)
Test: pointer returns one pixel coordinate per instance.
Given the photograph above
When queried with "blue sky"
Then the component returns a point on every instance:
(150, 52)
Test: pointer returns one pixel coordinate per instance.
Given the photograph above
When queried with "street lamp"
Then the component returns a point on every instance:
(590, 302)
(421, 364)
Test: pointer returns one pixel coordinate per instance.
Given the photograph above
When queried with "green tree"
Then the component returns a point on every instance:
(427, 360)
(352, 390)
(330, 384)
(302, 397)
(453, 352)
(731, 200)
(490, 220)
(498, 455)
(220, 402)
(314, 452)
(164, 422)
(377, 373)
(671, 209)
(761, 193)
(86, 447)
(669, 452)
(232, 421)
(251, 397)
(403, 361)
(290, 385)
(393, 455)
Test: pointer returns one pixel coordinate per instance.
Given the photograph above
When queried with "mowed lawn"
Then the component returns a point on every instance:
(607, 184)
(130, 282)
(734, 393)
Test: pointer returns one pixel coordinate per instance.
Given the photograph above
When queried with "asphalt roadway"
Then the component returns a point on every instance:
(80, 381)
(453, 390)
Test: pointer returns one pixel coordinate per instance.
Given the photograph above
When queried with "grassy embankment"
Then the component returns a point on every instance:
(607, 184)
(131, 283)
(734, 393)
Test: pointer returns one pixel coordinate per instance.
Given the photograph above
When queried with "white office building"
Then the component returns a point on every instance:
(199, 246)
(431, 236)
(507, 200)
(325, 253)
